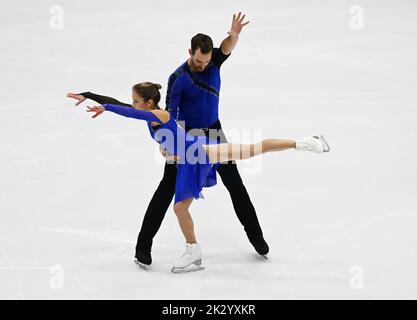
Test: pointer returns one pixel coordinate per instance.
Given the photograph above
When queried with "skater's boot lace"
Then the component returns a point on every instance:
(192, 253)
(188, 251)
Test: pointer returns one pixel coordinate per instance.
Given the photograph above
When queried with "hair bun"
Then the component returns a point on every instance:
(157, 85)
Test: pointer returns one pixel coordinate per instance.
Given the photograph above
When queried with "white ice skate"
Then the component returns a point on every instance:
(315, 144)
(191, 260)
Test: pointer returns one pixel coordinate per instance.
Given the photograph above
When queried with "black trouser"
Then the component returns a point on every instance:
(164, 194)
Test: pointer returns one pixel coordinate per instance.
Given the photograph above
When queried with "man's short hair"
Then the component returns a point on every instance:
(202, 42)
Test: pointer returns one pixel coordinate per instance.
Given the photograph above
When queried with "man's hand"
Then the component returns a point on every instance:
(163, 151)
(230, 42)
(237, 24)
(167, 155)
(97, 109)
(78, 97)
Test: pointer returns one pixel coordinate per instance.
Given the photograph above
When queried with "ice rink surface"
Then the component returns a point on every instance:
(73, 191)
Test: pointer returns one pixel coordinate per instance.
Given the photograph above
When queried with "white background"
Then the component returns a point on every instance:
(73, 191)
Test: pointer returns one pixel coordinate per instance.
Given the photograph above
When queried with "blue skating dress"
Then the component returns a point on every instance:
(194, 172)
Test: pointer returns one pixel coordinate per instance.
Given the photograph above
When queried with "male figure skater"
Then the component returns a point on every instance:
(193, 97)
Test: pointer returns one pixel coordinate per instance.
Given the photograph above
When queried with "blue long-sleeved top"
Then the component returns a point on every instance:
(193, 97)
(195, 171)
(169, 134)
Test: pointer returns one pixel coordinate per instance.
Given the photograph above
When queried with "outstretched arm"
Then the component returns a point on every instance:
(230, 42)
(128, 112)
(133, 113)
(81, 97)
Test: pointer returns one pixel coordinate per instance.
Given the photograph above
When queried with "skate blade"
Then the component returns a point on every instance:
(191, 268)
(142, 265)
(325, 144)
(264, 256)
(188, 269)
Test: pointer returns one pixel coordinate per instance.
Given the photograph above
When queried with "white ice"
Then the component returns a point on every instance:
(73, 190)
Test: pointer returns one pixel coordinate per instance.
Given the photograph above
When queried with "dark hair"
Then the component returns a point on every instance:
(148, 91)
(203, 42)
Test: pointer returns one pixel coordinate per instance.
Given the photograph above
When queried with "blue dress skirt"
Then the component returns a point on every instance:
(194, 175)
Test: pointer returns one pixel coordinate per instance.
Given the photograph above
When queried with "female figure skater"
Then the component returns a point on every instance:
(195, 172)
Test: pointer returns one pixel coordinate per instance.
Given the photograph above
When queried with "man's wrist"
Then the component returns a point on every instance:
(233, 34)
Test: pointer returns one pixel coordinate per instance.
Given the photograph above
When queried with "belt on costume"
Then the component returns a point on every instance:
(217, 125)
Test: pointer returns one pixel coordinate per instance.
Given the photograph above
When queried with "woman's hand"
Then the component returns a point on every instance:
(77, 97)
(97, 109)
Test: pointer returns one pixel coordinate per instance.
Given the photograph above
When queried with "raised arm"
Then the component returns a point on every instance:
(230, 42)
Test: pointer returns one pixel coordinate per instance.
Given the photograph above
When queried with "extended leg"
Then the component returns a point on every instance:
(243, 206)
(155, 213)
(232, 151)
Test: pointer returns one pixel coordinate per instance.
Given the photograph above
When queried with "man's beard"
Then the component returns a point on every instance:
(195, 67)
